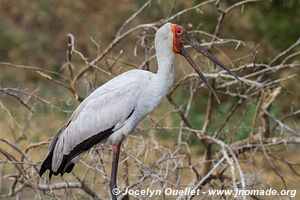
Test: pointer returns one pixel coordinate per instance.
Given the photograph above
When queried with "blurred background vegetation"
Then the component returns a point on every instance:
(35, 34)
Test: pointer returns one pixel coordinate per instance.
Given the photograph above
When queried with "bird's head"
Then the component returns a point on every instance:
(179, 38)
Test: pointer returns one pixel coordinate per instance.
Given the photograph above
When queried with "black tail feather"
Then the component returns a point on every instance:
(66, 163)
(46, 164)
(70, 168)
(48, 161)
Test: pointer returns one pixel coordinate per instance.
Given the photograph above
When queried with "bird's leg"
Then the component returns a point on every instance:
(114, 171)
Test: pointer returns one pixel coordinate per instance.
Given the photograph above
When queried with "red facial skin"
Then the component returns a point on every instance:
(177, 37)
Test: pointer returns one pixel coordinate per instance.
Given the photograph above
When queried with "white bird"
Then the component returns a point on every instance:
(113, 110)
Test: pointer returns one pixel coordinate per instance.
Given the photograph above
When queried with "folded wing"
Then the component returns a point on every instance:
(94, 120)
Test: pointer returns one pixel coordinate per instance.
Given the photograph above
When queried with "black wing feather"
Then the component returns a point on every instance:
(66, 165)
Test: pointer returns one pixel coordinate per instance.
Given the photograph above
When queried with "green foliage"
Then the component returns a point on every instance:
(277, 22)
(9, 40)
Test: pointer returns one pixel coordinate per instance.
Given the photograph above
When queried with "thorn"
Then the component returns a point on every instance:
(218, 100)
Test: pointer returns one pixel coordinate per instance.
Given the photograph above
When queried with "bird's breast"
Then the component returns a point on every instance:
(150, 99)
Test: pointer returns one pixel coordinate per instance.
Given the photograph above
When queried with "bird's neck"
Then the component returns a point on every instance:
(166, 71)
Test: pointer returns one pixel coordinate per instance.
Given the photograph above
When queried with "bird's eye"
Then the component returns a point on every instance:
(179, 32)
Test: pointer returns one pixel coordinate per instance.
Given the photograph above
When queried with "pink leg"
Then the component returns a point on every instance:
(114, 170)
